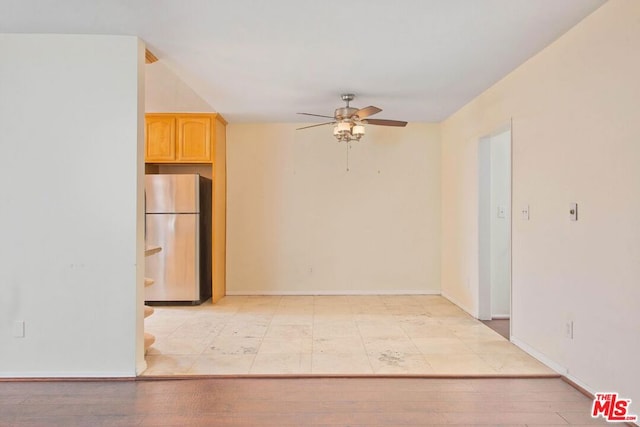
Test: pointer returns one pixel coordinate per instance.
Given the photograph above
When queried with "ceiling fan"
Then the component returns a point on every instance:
(349, 121)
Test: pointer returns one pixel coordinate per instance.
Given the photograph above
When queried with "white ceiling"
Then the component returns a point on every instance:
(259, 60)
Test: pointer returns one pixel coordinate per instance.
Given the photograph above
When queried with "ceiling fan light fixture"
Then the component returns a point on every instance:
(358, 131)
(344, 127)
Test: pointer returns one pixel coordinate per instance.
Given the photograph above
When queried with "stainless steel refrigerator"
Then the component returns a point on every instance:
(178, 219)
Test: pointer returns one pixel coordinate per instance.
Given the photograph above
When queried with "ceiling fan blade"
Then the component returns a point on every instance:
(312, 126)
(383, 122)
(367, 111)
(316, 115)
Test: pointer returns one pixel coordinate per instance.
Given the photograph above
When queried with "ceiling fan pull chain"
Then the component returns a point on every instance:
(348, 148)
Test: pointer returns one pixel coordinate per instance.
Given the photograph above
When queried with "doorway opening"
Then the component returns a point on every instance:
(494, 220)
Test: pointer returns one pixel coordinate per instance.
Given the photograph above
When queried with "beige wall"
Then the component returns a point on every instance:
(299, 223)
(165, 92)
(575, 109)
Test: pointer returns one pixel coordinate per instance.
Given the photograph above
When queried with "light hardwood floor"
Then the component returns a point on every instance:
(295, 402)
(352, 335)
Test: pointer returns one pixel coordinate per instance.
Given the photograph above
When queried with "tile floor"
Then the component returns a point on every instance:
(410, 335)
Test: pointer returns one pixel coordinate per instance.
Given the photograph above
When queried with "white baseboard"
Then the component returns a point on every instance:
(542, 358)
(500, 316)
(337, 293)
(57, 374)
(459, 304)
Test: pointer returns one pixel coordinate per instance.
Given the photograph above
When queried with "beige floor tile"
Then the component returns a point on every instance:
(168, 364)
(514, 363)
(343, 310)
(292, 318)
(411, 310)
(338, 346)
(178, 346)
(197, 329)
(244, 329)
(336, 329)
(251, 317)
(501, 346)
(453, 322)
(286, 332)
(162, 328)
(340, 364)
(332, 300)
(467, 326)
(425, 329)
(291, 363)
(215, 364)
(459, 364)
(403, 334)
(380, 317)
(397, 362)
(438, 345)
(445, 310)
(400, 344)
(296, 300)
(380, 329)
(360, 300)
(291, 345)
(329, 318)
(232, 346)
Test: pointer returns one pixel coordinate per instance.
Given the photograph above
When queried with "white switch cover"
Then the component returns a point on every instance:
(502, 211)
(573, 211)
(18, 329)
(524, 212)
(568, 329)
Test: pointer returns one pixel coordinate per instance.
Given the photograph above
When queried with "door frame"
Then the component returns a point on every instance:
(484, 217)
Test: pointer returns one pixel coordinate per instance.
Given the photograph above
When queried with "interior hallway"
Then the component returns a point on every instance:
(359, 335)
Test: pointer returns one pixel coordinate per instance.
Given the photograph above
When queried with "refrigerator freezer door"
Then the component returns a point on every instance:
(172, 193)
(176, 268)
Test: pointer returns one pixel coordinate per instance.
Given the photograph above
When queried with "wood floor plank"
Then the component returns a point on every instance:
(295, 402)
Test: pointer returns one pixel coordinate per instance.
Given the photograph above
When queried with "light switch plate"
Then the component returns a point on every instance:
(573, 211)
(18, 329)
(502, 211)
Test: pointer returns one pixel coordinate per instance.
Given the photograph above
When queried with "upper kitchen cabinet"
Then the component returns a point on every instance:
(182, 137)
(194, 139)
(160, 138)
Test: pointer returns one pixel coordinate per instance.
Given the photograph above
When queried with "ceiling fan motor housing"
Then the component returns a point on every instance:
(344, 113)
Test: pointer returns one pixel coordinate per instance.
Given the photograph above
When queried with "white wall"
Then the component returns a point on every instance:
(165, 92)
(500, 225)
(71, 219)
(299, 223)
(575, 134)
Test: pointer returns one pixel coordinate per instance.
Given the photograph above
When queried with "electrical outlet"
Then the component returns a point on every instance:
(524, 212)
(568, 329)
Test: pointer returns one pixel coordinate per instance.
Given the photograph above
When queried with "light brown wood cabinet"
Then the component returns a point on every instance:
(194, 139)
(181, 137)
(160, 138)
(194, 143)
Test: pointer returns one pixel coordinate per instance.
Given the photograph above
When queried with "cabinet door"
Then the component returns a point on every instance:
(194, 139)
(160, 139)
